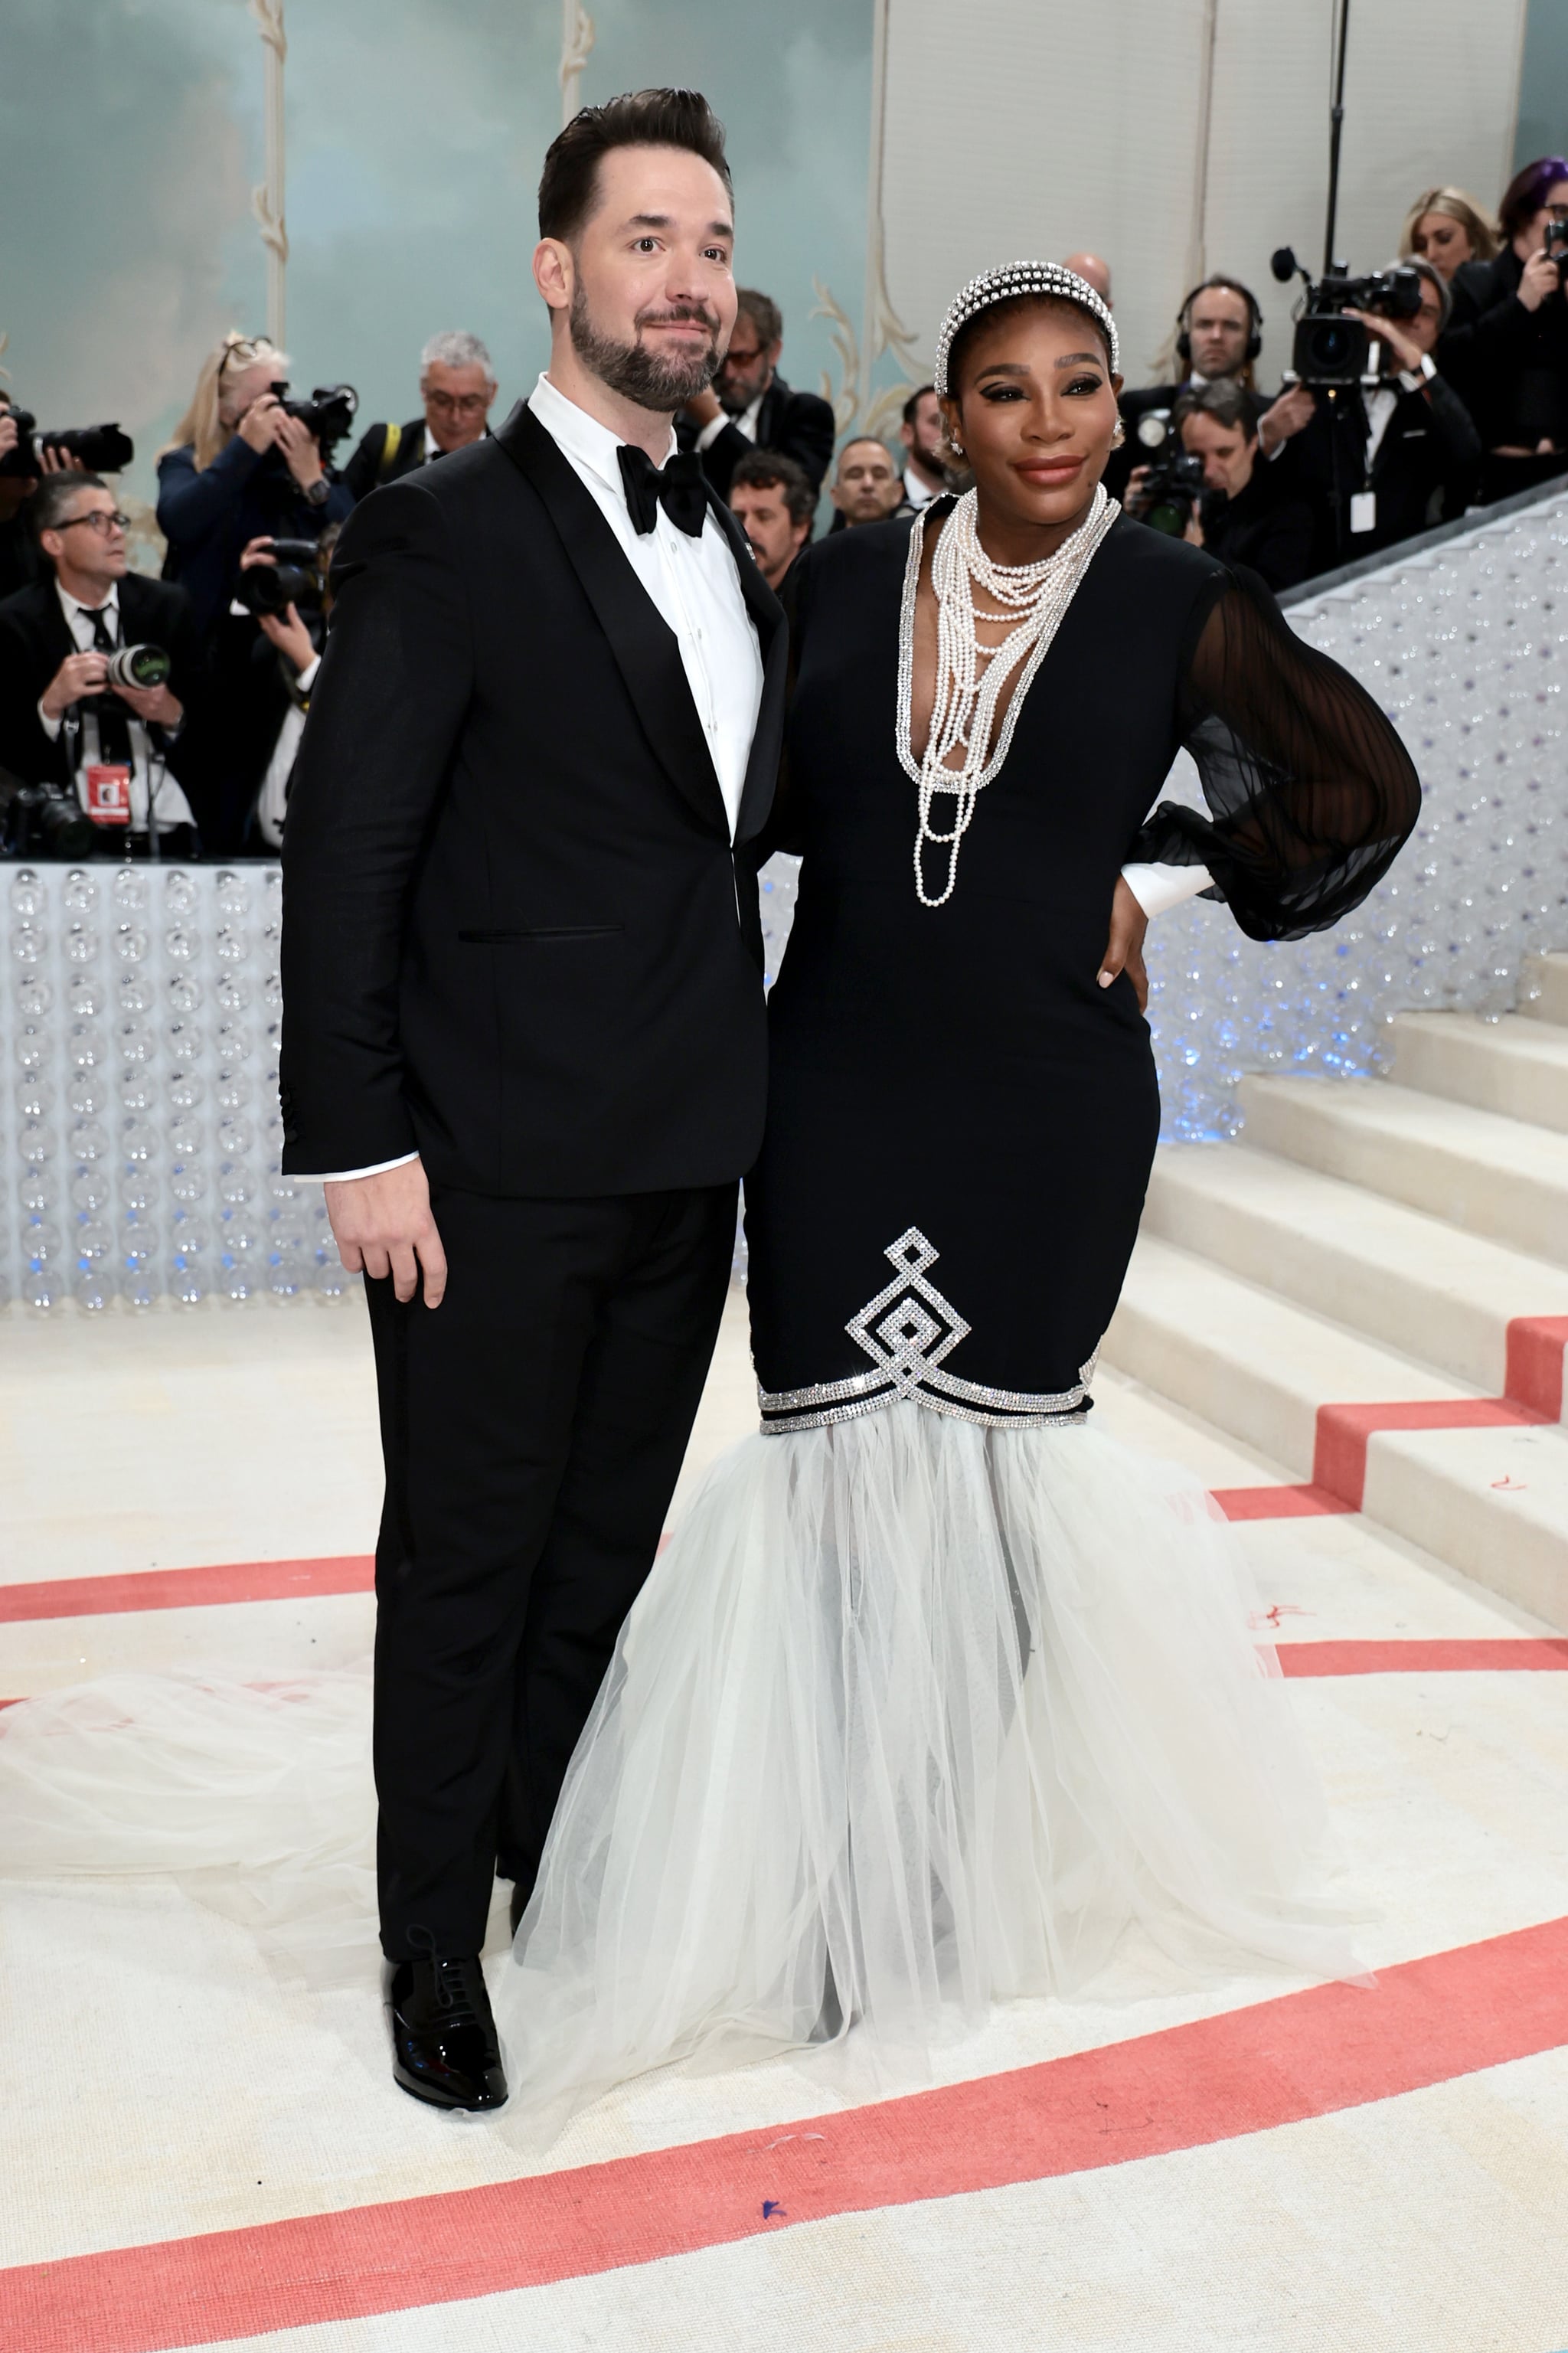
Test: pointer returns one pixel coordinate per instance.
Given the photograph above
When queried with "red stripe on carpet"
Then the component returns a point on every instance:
(1515, 1653)
(1277, 2063)
(186, 1589)
(1534, 1376)
(1339, 1456)
(1305, 1503)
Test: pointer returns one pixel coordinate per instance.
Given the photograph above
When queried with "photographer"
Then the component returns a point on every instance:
(239, 468)
(458, 387)
(1381, 462)
(287, 658)
(1250, 513)
(1507, 346)
(64, 722)
(1218, 335)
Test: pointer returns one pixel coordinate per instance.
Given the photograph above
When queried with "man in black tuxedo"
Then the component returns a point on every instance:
(60, 722)
(457, 387)
(1219, 333)
(750, 406)
(525, 1031)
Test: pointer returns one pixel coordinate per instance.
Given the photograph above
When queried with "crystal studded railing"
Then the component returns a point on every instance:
(139, 1131)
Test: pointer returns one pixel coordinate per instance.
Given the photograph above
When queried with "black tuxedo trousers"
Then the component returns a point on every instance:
(534, 1427)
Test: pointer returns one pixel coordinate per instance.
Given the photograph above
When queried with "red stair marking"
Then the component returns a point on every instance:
(186, 1589)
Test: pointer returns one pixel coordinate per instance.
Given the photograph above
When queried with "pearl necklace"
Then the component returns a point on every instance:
(970, 677)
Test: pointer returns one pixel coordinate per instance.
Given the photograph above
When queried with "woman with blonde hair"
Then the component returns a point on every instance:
(1447, 228)
(239, 467)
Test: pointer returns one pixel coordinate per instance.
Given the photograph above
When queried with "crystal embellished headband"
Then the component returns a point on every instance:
(993, 286)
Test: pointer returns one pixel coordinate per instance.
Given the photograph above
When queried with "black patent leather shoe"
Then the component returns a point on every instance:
(445, 2049)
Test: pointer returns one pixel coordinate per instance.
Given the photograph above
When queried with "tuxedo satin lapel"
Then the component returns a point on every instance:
(644, 647)
(773, 638)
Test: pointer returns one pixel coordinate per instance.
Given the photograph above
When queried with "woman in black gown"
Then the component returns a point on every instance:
(938, 1688)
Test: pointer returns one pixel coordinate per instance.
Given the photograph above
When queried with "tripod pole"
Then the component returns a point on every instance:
(1336, 124)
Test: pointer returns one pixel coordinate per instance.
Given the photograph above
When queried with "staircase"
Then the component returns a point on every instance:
(1372, 1288)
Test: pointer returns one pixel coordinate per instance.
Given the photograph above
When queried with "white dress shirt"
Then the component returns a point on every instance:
(273, 799)
(695, 585)
(745, 423)
(916, 492)
(172, 806)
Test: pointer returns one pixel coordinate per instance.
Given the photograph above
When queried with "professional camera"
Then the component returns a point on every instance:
(141, 666)
(102, 448)
(327, 416)
(1173, 489)
(42, 821)
(1332, 353)
(294, 579)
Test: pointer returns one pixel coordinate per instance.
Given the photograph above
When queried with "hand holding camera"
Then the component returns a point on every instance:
(138, 675)
(284, 570)
(77, 675)
(267, 425)
(1543, 273)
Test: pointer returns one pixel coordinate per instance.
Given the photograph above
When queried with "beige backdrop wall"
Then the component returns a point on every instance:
(1175, 139)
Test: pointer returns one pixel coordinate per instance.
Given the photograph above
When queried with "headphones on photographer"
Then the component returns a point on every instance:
(1229, 286)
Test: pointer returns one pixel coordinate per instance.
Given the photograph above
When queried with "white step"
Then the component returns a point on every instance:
(1246, 1359)
(1492, 1503)
(1516, 1068)
(1544, 988)
(1396, 1275)
(1487, 1174)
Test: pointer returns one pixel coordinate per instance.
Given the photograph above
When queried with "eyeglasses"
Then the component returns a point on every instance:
(243, 350)
(458, 403)
(101, 519)
(733, 358)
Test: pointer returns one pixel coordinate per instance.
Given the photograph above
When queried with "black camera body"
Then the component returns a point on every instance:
(327, 416)
(1332, 353)
(1173, 489)
(1556, 246)
(102, 448)
(43, 822)
(294, 579)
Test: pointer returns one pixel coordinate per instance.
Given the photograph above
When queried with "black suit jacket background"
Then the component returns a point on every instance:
(510, 935)
(799, 424)
(363, 474)
(35, 638)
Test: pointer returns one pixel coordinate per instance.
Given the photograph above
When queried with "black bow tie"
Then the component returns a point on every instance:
(678, 487)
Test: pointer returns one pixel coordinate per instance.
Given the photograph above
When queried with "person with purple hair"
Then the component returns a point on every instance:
(1506, 349)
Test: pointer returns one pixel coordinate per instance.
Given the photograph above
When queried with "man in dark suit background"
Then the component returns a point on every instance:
(457, 387)
(60, 722)
(525, 1039)
(750, 406)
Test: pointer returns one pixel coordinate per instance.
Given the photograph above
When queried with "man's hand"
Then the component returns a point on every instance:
(8, 434)
(1542, 277)
(289, 634)
(1292, 411)
(79, 674)
(58, 462)
(1123, 949)
(383, 1224)
(301, 454)
(1135, 496)
(152, 703)
(1406, 350)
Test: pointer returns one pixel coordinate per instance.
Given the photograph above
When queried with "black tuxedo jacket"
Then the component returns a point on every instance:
(1426, 467)
(363, 471)
(799, 424)
(34, 642)
(512, 939)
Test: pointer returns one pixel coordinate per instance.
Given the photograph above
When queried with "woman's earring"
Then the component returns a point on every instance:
(1119, 436)
(956, 446)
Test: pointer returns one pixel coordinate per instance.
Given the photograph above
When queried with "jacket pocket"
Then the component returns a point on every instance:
(541, 932)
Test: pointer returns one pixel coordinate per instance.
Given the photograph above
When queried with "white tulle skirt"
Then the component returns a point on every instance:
(911, 1716)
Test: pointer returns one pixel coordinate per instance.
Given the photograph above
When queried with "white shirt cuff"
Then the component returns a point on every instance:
(307, 679)
(51, 727)
(710, 431)
(352, 1176)
(1160, 887)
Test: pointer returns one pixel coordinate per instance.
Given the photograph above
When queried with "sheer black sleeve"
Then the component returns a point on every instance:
(1311, 793)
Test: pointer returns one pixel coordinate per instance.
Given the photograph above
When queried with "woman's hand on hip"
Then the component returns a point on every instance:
(384, 1224)
(1123, 949)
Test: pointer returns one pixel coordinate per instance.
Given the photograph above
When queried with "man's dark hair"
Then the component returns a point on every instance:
(767, 469)
(568, 184)
(54, 494)
(764, 313)
(911, 406)
(1223, 399)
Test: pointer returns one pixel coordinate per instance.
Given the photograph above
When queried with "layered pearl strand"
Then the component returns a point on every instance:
(970, 677)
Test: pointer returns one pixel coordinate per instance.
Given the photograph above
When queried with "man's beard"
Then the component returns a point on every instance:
(662, 385)
(733, 398)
